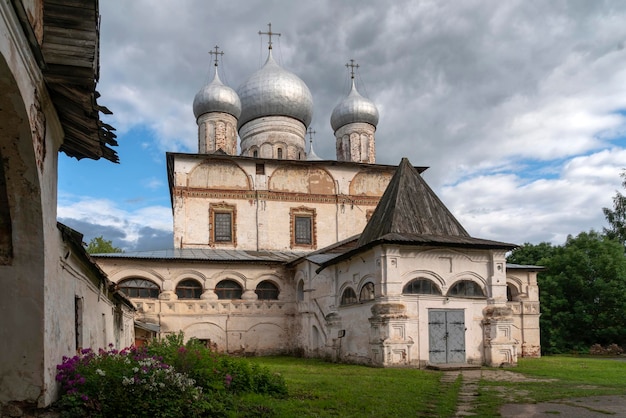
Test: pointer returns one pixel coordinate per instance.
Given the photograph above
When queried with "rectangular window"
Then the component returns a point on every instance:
(302, 227)
(303, 230)
(223, 227)
(222, 224)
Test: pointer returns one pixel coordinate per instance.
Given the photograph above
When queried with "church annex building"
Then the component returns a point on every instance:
(278, 251)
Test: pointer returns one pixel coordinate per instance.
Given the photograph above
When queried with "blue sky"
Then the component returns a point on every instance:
(518, 108)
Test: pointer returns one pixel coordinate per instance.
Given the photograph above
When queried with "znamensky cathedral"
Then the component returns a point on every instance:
(279, 251)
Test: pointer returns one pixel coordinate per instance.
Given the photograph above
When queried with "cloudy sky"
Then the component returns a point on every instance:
(517, 107)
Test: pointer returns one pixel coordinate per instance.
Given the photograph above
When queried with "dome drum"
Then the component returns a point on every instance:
(284, 132)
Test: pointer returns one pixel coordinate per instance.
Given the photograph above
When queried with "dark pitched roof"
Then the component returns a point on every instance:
(409, 213)
(409, 206)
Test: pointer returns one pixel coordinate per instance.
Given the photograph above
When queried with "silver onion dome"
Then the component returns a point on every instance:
(354, 108)
(216, 97)
(274, 91)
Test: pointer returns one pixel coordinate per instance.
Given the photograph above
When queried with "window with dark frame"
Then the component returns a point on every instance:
(189, 289)
(267, 290)
(139, 288)
(303, 233)
(367, 292)
(466, 289)
(222, 224)
(279, 152)
(228, 289)
(348, 297)
(421, 287)
(302, 227)
(223, 227)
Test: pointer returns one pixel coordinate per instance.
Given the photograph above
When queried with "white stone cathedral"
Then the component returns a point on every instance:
(278, 251)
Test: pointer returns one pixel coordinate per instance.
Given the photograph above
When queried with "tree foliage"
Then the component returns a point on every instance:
(582, 291)
(530, 254)
(616, 217)
(99, 245)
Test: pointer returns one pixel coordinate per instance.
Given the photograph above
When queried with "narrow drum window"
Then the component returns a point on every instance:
(280, 153)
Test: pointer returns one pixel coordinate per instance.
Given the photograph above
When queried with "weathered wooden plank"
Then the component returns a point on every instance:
(71, 34)
(84, 4)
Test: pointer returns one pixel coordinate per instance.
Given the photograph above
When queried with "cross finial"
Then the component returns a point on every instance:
(311, 132)
(352, 67)
(216, 53)
(269, 33)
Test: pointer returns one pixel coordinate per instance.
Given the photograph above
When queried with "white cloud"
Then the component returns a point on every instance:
(124, 225)
(514, 105)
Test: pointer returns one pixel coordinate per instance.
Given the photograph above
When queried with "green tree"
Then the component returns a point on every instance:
(616, 217)
(531, 254)
(99, 245)
(583, 294)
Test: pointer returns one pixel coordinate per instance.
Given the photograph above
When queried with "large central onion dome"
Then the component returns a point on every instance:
(353, 109)
(216, 97)
(274, 91)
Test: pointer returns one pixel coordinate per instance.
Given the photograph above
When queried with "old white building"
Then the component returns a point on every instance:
(277, 251)
(54, 298)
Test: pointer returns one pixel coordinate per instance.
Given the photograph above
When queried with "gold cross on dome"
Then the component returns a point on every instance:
(352, 67)
(216, 53)
(269, 33)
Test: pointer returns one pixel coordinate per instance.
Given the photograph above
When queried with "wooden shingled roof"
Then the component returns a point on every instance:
(70, 50)
(409, 206)
(410, 213)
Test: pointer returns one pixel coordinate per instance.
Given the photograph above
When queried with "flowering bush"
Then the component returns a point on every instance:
(127, 383)
(214, 371)
(165, 379)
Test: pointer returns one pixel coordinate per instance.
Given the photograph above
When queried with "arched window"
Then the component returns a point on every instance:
(421, 287)
(367, 292)
(466, 289)
(255, 153)
(228, 289)
(511, 292)
(139, 288)
(279, 152)
(267, 290)
(348, 297)
(300, 291)
(189, 289)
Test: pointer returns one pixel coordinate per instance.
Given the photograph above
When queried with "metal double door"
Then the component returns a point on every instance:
(446, 336)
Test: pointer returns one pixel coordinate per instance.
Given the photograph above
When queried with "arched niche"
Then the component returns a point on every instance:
(310, 180)
(219, 174)
(369, 183)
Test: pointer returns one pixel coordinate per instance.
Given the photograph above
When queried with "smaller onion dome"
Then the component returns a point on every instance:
(354, 108)
(216, 97)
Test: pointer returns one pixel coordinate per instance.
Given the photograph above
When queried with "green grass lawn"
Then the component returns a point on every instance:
(320, 389)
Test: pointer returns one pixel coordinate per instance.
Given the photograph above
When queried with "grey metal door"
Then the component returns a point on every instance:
(446, 336)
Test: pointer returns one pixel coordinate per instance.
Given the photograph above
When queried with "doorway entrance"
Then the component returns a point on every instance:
(446, 336)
